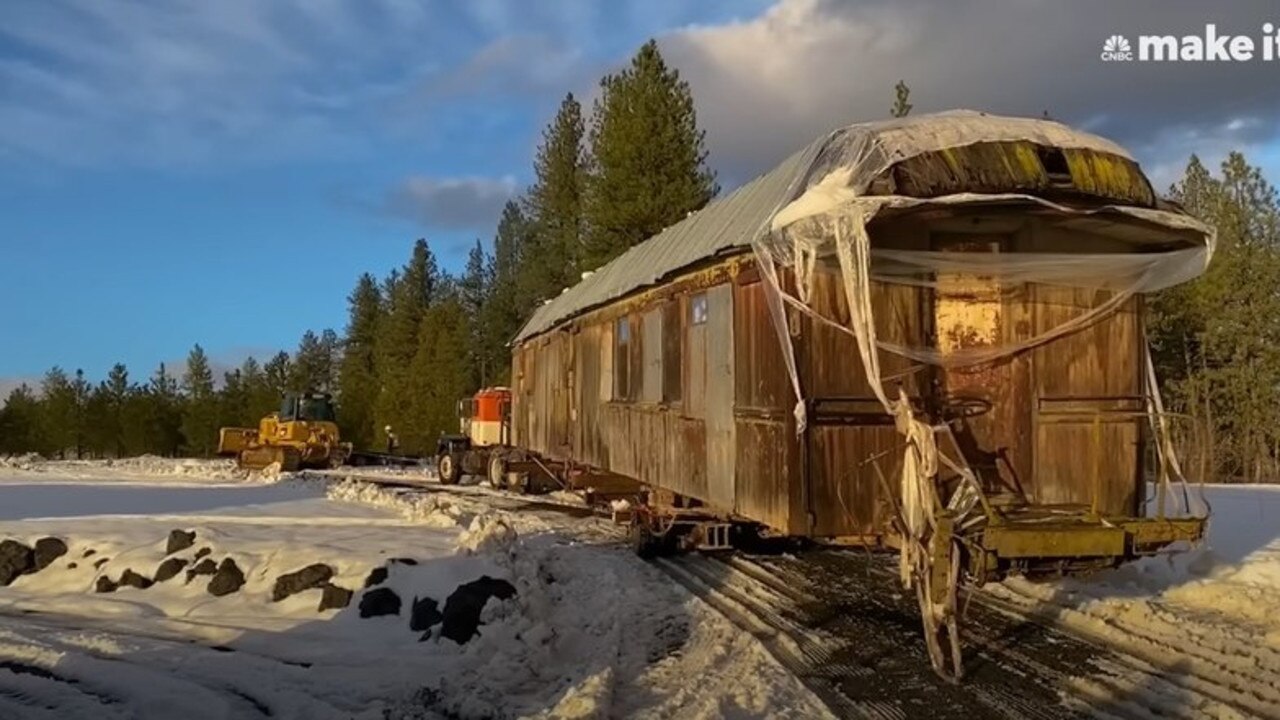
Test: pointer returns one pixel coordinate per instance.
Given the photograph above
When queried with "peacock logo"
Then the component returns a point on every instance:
(1116, 49)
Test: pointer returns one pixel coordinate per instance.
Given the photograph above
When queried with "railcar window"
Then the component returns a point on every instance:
(698, 309)
(622, 359)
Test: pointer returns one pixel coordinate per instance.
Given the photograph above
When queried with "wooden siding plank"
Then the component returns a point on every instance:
(721, 450)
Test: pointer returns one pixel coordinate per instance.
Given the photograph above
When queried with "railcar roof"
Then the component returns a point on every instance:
(863, 151)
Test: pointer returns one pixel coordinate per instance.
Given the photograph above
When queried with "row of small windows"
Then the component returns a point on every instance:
(649, 351)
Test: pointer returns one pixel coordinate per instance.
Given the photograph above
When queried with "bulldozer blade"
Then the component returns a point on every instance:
(262, 457)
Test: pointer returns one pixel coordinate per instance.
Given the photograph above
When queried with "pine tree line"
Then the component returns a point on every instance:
(419, 339)
(168, 414)
(1216, 340)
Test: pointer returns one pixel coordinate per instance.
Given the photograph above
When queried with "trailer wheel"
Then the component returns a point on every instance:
(643, 542)
(497, 471)
(449, 467)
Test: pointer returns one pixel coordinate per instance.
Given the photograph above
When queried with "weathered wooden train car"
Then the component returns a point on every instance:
(724, 363)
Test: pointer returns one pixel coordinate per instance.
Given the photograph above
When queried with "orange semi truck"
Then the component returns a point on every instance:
(485, 432)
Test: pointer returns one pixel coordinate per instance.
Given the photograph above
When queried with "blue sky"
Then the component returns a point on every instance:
(221, 172)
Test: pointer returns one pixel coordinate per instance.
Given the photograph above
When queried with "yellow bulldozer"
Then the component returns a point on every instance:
(302, 434)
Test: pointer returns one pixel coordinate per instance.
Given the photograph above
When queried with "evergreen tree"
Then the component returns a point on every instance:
(162, 410)
(1216, 340)
(233, 400)
(99, 423)
(555, 204)
(510, 300)
(649, 158)
(901, 107)
(201, 409)
(309, 364)
(20, 424)
(411, 294)
(260, 396)
(80, 392)
(116, 390)
(357, 369)
(440, 375)
(474, 289)
(330, 357)
(58, 413)
(278, 378)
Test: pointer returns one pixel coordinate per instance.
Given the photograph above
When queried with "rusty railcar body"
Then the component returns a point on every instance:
(671, 365)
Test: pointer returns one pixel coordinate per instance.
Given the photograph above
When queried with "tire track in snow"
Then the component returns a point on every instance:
(73, 672)
(1009, 654)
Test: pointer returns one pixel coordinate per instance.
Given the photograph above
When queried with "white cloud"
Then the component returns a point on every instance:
(466, 203)
(767, 85)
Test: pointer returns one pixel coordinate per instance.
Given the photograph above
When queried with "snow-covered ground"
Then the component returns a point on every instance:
(1212, 611)
(591, 631)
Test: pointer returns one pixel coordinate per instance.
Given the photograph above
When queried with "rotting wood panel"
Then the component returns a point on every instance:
(851, 437)
(656, 446)
(674, 329)
(1079, 378)
(766, 485)
(594, 346)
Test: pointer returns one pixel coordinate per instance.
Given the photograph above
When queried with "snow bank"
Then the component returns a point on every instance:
(126, 470)
(591, 631)
(433, 510)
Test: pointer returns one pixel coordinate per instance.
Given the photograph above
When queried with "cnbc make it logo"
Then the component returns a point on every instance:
(1116, 48)
(1210, 46)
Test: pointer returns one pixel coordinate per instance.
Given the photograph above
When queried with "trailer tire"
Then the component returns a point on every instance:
(449, 468)
(643, 542)
(497, 471)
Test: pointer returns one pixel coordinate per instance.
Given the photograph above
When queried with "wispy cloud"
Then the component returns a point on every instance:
(469, 203)
(94, 81)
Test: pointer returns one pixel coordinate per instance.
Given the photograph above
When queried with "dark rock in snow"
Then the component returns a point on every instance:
(311, 576)
(205, 567)
(71, 566)
(47, 550)
(15, 559)
(179, 540)
(104, 585)
(228, 579)
(334, 597)
(425, 614)
(170, 568)
(133, 579)
(379, 601)
(377, 576)
(100, 562)
(404, 561)
(202, 552)
(88, 552)
(462, 609)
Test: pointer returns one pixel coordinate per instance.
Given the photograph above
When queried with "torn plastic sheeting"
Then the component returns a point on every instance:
(817, 243)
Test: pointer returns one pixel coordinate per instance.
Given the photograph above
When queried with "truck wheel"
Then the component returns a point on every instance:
(497, 471)
(449, 467)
